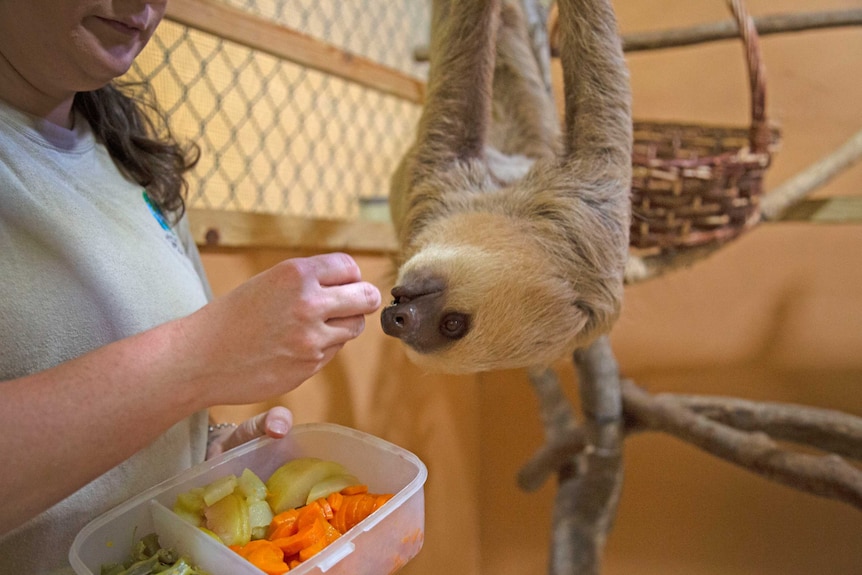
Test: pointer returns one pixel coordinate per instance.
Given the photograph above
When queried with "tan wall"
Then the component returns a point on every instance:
(775, 316)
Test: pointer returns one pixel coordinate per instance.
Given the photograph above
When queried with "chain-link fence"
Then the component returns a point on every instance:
(280, 138)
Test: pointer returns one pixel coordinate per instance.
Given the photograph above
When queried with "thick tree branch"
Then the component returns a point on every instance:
(825, 429)
(827, 475)
(590, 487)
(563, 438)
(587, 459)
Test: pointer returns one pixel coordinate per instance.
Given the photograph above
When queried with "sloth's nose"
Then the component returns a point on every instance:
(399, 319)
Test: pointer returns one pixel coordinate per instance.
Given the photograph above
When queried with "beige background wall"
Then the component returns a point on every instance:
(775, 316)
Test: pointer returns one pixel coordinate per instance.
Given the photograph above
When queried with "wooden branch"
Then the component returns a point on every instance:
(766, 25)
(825, 429)
(779, 200)
(590, 487)
(837, 210)
(641, 268)
(225, 229)
(547, 460)
(218, 18)
(563, 438)
(827, 476)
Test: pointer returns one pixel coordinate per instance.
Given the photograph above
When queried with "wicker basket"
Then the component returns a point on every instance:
(694, 184)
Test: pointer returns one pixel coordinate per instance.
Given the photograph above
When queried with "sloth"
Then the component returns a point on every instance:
(512, 230)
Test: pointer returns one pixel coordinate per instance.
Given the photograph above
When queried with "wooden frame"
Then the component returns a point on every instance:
(219, 19)
(246, 230)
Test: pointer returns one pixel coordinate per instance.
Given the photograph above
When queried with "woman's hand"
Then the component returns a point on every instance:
(276, 423)
(274, 331)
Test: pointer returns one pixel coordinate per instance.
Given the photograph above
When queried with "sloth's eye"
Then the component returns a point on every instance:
(454, 325)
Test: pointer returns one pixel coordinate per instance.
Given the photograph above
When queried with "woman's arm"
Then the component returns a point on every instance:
(65, 426)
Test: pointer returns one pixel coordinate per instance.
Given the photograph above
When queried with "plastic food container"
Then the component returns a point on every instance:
(379, 545)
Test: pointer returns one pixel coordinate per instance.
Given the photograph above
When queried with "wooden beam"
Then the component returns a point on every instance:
(815, 176)
(835, 210)
(217, 18)
(766, 25)
(245, 230)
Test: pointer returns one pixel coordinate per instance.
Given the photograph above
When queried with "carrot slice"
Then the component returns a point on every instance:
(309, 514)
(355, 489)
(353, 509)
(283, 522)
(265, 555)
(305, 537)
(312, 550)
(381, 499)
(331, 533)
(282, 531)
(326, 507)
(335, 500)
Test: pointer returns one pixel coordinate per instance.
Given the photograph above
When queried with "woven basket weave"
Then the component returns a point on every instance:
(696, 184)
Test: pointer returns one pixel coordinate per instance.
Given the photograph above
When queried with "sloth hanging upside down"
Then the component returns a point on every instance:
(513, 236)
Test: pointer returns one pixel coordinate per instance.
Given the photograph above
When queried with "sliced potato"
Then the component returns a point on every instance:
(228, 518)
(290, 484)
(196, 519)
(259, 515)
(190, 506)
(329, 485)
(219, 488)
(251, 486)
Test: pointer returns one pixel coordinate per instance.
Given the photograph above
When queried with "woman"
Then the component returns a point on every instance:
(110, 353)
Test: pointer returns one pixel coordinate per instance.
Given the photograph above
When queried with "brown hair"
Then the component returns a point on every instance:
(126, 120)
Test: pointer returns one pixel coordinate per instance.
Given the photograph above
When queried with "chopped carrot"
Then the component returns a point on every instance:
(326, 507)
(331, 533)
(305, 537)
(265, 555)
(309, 514)
(354, 489)
(379, 500)
(282, 531)
(283, 520)
(353, 509)
(335, 499)
(312, 550)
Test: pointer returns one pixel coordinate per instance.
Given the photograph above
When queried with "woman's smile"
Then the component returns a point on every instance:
(125, 28)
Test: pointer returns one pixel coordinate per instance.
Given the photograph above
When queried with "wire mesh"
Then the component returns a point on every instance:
(280, 138)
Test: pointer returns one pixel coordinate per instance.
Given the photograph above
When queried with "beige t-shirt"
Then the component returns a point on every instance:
(84, 261)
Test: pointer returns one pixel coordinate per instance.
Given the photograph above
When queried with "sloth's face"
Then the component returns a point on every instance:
(493, 300)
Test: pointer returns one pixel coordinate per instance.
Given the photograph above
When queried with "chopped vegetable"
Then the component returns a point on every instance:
(265, 555)
(290, 484)
(305, 505)
(149, 558)
(228, 518)
(251, 485)
(356, 507)
(331, 484)
(218, 489)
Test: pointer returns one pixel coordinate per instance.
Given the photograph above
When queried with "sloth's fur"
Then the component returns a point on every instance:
(513, 236)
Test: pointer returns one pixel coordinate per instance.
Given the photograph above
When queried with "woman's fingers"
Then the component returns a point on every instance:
(276, 422)
(354, 299)
(333, 269)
